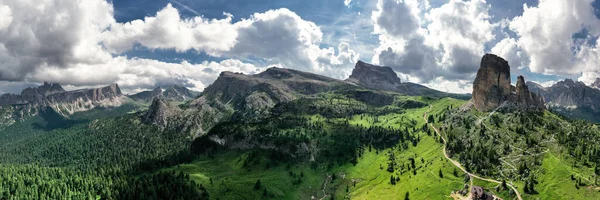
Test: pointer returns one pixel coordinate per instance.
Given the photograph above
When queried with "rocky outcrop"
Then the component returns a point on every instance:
(384, 78)
(159, 112)
(374, 77)
(525, 98)
(492, 83)
(492, 87)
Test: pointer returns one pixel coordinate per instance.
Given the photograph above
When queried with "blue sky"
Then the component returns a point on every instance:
(142, 44)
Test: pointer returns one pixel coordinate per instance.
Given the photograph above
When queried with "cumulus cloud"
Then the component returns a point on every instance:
(5, 16)
(79, 43)
(432, 44)
(56, 34)
(546, 35)
(395, 18)
(167, 30)
(509, 49)
(277, 36)
(462, 28)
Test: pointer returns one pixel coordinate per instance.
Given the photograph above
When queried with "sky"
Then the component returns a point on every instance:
(143, 44)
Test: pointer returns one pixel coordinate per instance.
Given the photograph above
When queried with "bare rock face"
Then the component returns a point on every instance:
(160, 111)
(525, 98)
(492, 84)
(492, 87)
(374, 77)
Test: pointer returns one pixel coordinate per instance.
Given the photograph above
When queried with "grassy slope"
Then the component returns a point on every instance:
(232, 181)
(554, 174)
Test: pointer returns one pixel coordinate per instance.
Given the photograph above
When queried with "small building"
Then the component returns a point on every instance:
(478, 193)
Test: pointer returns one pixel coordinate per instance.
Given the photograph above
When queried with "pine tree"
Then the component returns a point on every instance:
(441, 174)
(257, 185)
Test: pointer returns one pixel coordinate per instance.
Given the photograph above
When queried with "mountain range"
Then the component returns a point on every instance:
(571, 98)
(288, 134)
(173, 93)
(254, 96)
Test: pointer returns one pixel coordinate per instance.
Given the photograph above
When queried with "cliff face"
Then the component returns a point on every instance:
(525, 98)
(492, 87)
(492, 83)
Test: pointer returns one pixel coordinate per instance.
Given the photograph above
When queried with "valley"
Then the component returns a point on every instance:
(286, 134)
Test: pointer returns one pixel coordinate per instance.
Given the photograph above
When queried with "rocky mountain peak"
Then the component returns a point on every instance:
(492, 83)
(525, 97)
(374, 77)
(492, 86)
(159, 112)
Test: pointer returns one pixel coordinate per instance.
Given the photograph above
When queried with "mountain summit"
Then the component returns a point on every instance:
(384, 78)
(492, 87)
(374, 77)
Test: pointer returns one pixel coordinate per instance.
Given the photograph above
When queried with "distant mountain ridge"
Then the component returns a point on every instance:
(571, 98)
(173, 93)
(32, 100)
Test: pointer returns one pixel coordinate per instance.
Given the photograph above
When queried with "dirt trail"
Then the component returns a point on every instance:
(457, 164)
(327, 180)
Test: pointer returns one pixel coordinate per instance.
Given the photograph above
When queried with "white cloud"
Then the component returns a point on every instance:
(277, 36)
(462, 28)
(546, 35)
(167, 30)
(347, 3)
(5, 16)
(142, 73)
(72, 42)
(52, 34)
(509, 49)
(395, 18)
(433, 45)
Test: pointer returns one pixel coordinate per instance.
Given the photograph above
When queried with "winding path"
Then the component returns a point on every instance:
(457, 164)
